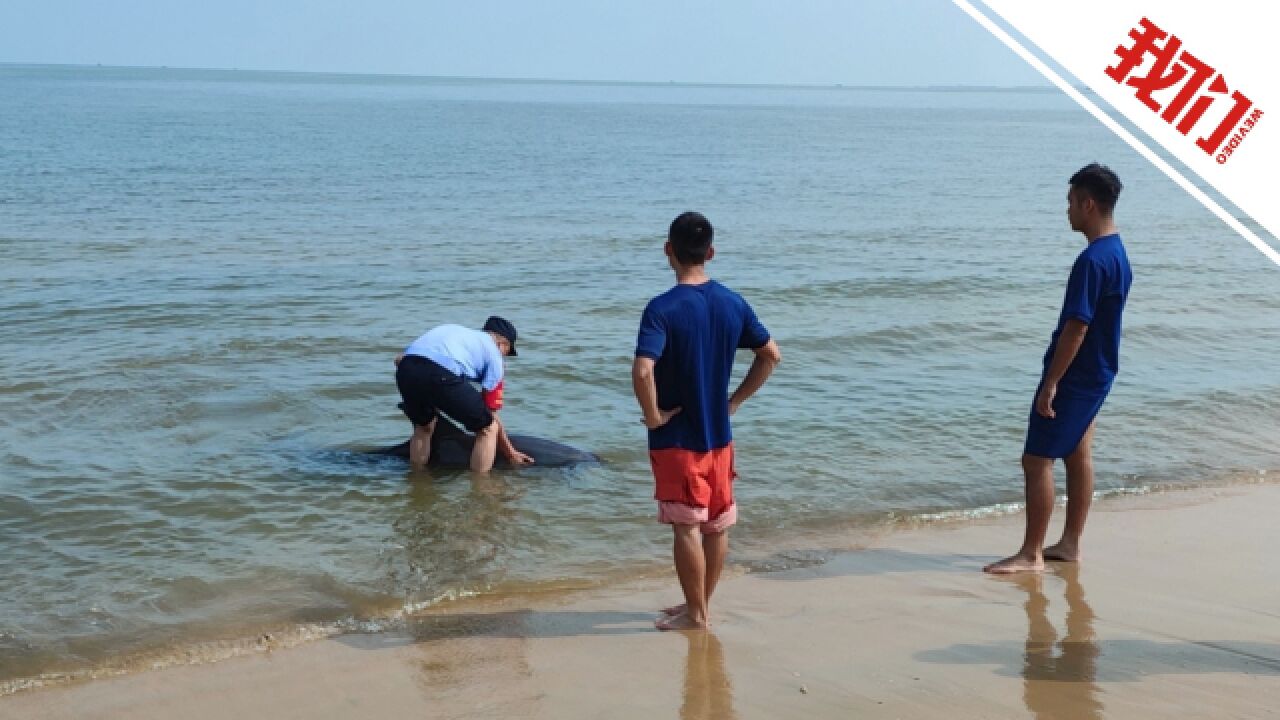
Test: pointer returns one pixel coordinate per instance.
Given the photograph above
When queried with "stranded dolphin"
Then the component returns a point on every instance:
(451, 447)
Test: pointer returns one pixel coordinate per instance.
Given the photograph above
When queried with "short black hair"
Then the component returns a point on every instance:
(690, 237)
(1099, 183)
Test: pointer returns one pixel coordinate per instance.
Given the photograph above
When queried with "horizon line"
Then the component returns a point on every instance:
(554, 81)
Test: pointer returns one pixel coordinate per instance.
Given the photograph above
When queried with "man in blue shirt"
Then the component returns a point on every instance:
(434, 375)
(1079, 367)
(684, 355)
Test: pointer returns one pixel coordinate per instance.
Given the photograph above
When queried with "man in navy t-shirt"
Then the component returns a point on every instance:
(684, 355)
(1079, 367)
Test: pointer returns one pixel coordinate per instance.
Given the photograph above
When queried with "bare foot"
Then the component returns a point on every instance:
(679, 622)
(1015, 564)
(1062, 552)
(674, 609)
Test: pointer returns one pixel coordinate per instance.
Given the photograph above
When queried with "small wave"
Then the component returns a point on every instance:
(193, 654)
(263, 640)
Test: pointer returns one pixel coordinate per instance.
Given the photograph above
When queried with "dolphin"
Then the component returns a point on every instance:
(451, 447)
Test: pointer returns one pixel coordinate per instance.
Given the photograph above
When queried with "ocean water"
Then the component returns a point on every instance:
(204, 276)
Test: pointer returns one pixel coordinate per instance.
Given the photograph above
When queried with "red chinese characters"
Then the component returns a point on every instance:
(1174, 67)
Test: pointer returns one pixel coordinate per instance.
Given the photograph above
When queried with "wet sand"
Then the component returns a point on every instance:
(1174, 613)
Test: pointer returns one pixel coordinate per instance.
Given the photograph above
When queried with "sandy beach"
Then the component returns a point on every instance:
(1173, 614)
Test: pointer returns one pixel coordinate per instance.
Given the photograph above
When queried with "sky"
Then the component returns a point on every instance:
(850, 42)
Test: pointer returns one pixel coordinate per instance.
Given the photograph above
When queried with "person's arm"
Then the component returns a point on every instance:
(650, 342)
(508, 449)
(767, 358)
(493, 401)
(1085, 289)
(1069, 342)
(647, 394)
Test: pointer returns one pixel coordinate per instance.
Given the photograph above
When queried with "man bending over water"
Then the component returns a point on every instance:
(434, 375)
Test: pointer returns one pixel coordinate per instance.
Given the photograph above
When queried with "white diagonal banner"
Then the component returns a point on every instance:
(1190, 75)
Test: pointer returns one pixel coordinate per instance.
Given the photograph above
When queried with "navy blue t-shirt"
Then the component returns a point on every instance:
(693, 332)
(1096, 292)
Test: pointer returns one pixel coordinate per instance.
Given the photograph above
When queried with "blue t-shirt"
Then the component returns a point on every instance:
(1096, 292)
(693, 332)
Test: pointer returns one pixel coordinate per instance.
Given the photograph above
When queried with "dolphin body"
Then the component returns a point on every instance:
(451, 447)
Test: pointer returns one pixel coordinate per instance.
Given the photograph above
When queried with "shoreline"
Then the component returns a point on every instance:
(809, 547)
(906, 627)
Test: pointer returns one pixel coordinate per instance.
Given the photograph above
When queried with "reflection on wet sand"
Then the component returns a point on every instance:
(478, 651)
(1059, 674)
(708, 694)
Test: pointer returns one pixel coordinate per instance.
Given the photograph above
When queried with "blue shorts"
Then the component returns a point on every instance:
(1060, 436)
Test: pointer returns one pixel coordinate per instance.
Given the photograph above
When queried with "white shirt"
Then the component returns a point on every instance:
(473, 354)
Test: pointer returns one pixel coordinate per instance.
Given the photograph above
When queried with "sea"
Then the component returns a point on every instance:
(206, 274)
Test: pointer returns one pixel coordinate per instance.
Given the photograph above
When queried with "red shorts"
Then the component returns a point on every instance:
(702, 481)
